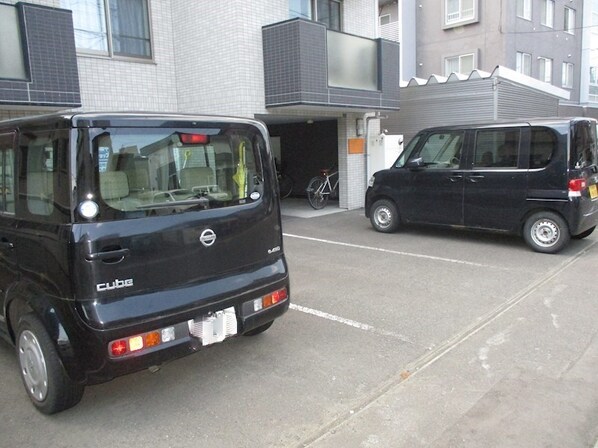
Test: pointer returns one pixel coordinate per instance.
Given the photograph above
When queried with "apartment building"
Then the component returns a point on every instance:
(315, 71)
(554, 41)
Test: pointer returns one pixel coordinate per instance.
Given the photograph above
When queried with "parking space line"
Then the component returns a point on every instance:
(395, 252)
(349, 322)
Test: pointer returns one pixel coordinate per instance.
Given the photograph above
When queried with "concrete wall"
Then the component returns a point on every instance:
(497, 36)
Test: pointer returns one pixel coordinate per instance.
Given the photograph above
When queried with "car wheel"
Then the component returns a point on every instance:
(258, 330)
(582, 235)
(546, 232)
(384, 216)
(47, 384)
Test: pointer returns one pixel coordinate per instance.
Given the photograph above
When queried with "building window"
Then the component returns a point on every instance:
(524, 63)
(12, 61)
(327, 12)
(569, 26)
(464, 63)
(458, 11)
(385, 19)
(111, 27)
(567, 75)
(548, 13)
(545, 69)
(524, 9)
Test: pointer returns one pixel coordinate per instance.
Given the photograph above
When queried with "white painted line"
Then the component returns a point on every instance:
(395, 252)
(349, 322)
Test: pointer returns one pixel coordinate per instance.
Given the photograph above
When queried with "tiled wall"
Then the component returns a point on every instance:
(50, 58)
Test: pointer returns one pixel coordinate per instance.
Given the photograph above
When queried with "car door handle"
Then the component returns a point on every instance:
(107, 255)
(475, 178)
(456, 177)
(6, 245)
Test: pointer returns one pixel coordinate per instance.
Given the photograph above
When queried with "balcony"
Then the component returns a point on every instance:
(40, 46)
(306, 64)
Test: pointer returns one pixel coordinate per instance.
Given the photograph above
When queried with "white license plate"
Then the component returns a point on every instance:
(215, 327)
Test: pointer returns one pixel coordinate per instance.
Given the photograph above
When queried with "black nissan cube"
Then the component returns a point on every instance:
(130, 239)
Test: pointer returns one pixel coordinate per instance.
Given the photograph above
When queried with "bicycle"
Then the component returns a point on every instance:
(320, 189)
(285, 182)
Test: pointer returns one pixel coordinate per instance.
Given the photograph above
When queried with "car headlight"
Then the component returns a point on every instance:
(371, 181)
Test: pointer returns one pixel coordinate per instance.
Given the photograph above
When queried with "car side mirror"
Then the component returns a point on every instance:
(416, 163)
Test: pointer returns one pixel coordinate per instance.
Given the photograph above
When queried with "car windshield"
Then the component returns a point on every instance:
(160, 171)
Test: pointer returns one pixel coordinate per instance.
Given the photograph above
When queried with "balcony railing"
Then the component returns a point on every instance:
(306, 64)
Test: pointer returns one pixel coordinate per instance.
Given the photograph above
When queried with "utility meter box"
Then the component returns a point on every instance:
(384, 151)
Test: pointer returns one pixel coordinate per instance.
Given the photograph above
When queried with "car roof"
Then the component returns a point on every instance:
(115, 119)
(541, 121)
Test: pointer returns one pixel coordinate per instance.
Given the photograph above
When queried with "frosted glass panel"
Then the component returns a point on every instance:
(352, 62)
(12, 65)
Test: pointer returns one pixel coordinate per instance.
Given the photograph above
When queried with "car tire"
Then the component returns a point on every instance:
(384, 216)
(582, 235)
(47, 384)
(259, 329)
(546, 232)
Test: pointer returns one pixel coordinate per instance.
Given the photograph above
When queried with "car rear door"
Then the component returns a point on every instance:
(495, 185)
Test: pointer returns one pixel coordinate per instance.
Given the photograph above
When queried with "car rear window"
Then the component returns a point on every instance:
(159, 171)
(583, 144)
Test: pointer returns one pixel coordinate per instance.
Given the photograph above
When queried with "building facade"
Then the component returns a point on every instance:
(554, 41)
(310, 69)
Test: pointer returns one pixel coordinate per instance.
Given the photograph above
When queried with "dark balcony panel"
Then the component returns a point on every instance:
(296, 64)
(49, 42)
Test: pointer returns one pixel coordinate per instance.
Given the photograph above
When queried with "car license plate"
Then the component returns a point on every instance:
(593, 191)
(215, 327)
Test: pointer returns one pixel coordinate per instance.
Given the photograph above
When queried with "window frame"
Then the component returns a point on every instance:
(547, 19)
(526, 12)
(473, 55)
(520, 60)
(313, 12)
(384, 16)
(549, 61)
(567, 75)
(460, 20)
(109, 36)
(569, 20)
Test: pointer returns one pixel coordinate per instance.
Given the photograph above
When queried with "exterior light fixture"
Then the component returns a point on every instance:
(359, 127)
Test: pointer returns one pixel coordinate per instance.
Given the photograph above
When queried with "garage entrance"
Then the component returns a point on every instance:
(303, 149)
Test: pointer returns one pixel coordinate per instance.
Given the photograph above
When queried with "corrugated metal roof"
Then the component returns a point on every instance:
(499, 72)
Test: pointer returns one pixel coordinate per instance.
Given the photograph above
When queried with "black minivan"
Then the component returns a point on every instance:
(130, 239)
(536, 178)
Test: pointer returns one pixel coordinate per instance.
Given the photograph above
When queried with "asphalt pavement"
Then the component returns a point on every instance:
(427, 337)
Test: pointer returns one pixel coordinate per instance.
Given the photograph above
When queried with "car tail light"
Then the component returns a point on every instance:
(576, 186)
(140, 342)
(270, 299)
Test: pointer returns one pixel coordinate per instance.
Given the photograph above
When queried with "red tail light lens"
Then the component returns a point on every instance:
(194, 139)
(577, 185)
(118, 348)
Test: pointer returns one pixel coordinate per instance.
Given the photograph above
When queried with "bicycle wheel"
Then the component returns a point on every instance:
(315, 193)
(285, 186)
